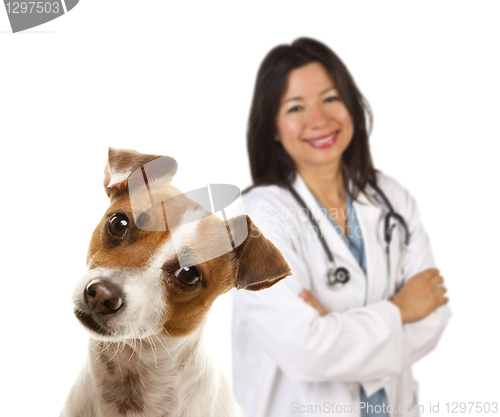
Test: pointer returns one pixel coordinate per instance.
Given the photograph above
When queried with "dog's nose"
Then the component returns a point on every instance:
(102, 297)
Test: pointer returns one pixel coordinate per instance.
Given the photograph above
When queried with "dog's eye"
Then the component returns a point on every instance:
(188, 276)
(118, 225)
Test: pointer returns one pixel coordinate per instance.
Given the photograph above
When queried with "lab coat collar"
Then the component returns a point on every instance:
(369, 216)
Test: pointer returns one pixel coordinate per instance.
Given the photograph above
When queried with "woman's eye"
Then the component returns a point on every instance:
(118, 225)
(188, 276)
(331, 99)
(293, 109)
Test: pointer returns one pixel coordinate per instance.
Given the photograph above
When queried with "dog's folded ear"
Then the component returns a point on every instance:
(260, 263)
(122, 163)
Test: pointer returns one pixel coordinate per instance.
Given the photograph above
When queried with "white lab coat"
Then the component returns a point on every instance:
(290, 361)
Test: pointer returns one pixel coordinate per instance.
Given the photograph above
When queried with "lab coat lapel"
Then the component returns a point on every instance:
(370, 220)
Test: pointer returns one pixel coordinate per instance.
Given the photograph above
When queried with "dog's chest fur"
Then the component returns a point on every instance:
(158, 377)
(133, 380)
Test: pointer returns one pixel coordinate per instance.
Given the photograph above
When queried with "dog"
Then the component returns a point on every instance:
(156, 262)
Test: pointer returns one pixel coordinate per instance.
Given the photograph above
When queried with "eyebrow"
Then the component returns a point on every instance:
(322, 92)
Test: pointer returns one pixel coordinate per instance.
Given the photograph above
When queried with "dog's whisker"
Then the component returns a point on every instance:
(103, 348)
(151, 342)
(116, 352)
(96, 343)
(168, 334)
(118, 361)
(133, 350)
(140, 351)
(155, 350)
(164, 347)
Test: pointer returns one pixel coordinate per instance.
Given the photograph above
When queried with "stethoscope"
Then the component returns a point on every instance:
(337, 277)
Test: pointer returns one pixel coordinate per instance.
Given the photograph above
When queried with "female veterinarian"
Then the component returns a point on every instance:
(365, 301)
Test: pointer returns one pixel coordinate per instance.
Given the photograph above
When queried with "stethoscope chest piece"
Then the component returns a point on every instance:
(337, 277)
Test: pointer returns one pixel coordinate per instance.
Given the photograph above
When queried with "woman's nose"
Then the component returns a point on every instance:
(316, 117)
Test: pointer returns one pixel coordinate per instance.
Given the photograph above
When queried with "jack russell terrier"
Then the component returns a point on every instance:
(156, 263)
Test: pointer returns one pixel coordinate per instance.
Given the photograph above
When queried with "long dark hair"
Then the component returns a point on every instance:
(269, 162)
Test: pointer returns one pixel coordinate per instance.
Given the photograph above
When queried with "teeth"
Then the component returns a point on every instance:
(325, 140)
(321, 141)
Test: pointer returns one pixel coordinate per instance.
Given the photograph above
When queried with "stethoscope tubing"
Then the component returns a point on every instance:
(337, 277)
(314, 223)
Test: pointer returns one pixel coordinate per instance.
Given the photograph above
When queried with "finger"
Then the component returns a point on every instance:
(444, 300)
(307, 297)
(306, 300)
(436, 280)
(305, 293)
(319, 308)
(441, 291)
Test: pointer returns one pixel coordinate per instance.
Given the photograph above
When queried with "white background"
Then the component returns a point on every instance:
(177, 80)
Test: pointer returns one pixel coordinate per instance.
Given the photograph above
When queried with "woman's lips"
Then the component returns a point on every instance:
(323, 141)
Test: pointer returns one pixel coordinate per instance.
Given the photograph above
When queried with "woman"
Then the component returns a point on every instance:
(312, 344)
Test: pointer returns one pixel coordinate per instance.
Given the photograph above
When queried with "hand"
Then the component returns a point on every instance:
(420, 296)
(307, 296)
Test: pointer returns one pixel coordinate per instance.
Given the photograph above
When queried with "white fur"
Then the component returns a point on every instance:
(117, 177)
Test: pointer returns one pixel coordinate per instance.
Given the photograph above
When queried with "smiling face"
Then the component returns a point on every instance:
(314, 125)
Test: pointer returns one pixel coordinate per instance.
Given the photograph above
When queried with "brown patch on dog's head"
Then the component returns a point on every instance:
(128, 170)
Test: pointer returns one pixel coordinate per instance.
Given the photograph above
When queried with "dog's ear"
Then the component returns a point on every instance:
(122, 163)
(260, 263)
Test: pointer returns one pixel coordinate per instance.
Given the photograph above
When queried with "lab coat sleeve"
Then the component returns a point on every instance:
(421, 337)
(359, 344)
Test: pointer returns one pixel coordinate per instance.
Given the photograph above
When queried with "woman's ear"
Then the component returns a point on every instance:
(259, 263)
